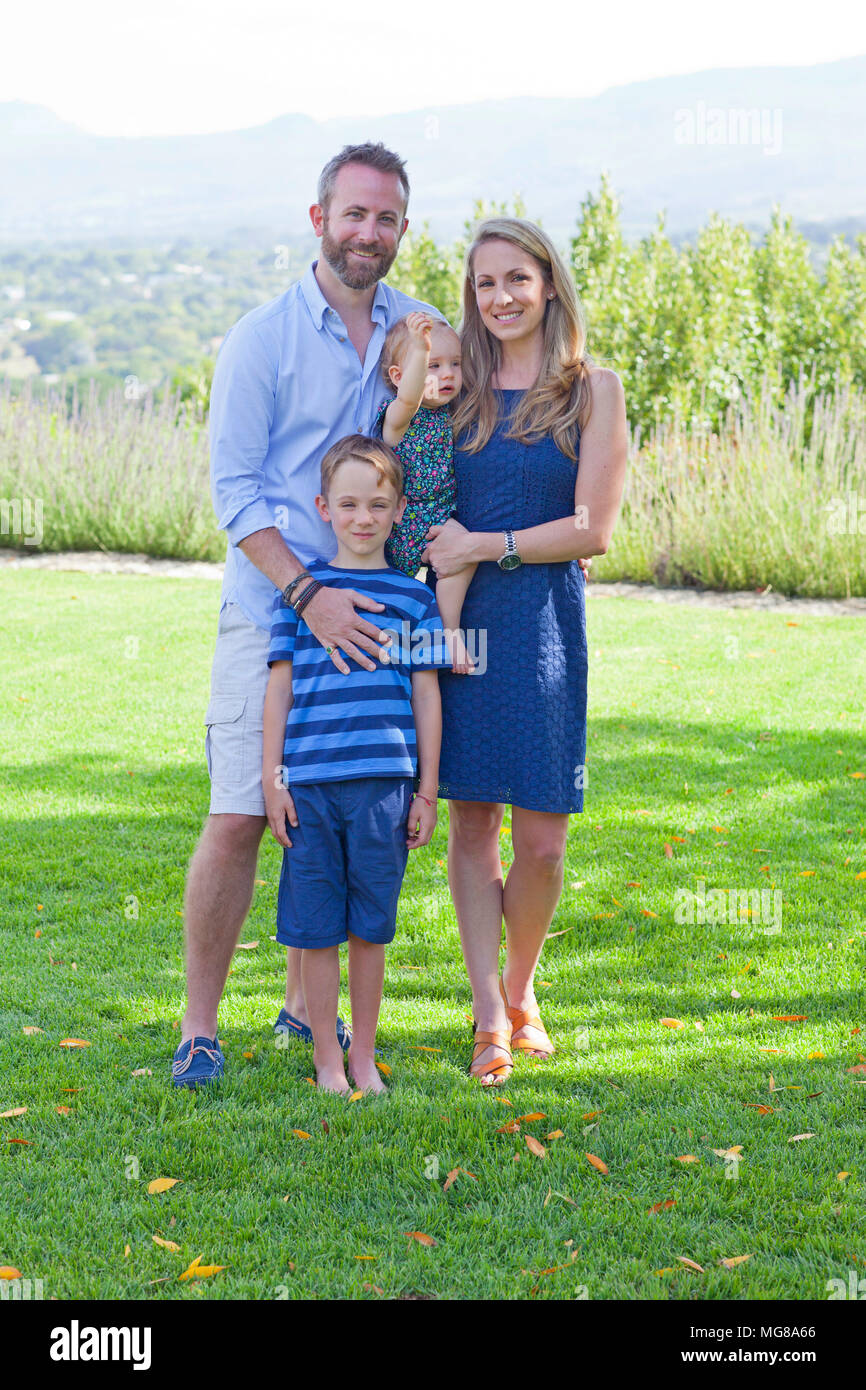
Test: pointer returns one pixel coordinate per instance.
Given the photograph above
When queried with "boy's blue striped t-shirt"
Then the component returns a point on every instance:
(359, 725)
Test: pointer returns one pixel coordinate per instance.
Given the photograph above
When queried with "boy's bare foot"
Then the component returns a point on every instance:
(330, 1076)
(365, 1074)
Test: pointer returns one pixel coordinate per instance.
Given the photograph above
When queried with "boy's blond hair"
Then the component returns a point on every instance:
(373, 451)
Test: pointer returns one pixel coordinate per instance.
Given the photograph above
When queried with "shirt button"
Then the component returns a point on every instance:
(342, 340)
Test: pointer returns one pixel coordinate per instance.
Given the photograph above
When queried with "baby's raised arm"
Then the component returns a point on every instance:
(413, 379)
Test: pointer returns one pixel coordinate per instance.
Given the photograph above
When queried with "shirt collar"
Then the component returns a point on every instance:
(318, 304)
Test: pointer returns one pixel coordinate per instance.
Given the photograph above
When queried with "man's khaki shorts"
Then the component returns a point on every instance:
(234, 717)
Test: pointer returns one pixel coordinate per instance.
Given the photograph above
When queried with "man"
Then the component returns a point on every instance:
(292, 377)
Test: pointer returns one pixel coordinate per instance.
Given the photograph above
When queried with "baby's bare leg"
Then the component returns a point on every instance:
(450, 593)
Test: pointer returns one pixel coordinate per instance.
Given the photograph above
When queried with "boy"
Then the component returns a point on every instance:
(340, 753)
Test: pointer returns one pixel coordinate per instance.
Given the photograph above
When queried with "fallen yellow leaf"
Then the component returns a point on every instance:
(73, 1042)
(734, 1260)
(11, 1114)
(690, 1264)
(162, 1184)
(672, 1022)
(199, 1271)
(534, 1146)
(687, 1158)
(598, 1163)
(301, 1133)
(166, 1244)
(421, 1238)
(31, 1028)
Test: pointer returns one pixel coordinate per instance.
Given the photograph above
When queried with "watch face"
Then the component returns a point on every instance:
(510, 562)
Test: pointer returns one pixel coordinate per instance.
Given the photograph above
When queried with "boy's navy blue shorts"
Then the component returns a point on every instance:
(345, 869)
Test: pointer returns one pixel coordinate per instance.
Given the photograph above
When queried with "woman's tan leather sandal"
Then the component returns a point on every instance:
(525, 1018)
(499, 1071)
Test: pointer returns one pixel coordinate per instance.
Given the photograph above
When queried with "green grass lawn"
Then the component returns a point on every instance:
(734, 737)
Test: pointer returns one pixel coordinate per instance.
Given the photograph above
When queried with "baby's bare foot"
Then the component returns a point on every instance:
(461, 662)
(330, 1076)
(365, 1074)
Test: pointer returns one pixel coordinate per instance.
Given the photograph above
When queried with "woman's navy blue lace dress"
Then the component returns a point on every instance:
(517, 732)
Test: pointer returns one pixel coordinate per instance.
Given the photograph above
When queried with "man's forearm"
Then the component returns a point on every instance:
(269, 553)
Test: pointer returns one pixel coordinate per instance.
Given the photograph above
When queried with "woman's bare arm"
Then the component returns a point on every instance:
(597, 498)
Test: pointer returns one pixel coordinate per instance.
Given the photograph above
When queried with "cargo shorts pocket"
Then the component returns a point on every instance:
(224, 741)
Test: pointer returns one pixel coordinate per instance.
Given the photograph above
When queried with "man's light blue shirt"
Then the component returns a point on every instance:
(288, 384)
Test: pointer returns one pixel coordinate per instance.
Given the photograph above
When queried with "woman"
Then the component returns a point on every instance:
(514, 732)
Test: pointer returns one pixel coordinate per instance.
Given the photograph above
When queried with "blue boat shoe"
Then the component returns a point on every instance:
(197, 1062)
(290, 1026)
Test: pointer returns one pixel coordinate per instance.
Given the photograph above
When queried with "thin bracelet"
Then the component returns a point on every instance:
(303, 599)
(290, 588)
(422, 798)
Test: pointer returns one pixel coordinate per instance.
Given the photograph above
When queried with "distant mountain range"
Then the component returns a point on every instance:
(735, 141)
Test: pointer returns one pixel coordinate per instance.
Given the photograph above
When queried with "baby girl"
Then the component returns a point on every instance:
(421, 361)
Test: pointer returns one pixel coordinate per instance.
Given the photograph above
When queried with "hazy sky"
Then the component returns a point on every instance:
(174, 66)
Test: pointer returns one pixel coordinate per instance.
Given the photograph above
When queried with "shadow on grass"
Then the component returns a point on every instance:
(84, 866)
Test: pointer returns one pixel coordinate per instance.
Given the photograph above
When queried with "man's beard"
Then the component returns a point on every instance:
(355, 275)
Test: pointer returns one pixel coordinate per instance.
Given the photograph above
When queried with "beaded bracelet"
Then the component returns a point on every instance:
(303, 599)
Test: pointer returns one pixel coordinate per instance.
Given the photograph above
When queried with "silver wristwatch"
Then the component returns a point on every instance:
(510, 560)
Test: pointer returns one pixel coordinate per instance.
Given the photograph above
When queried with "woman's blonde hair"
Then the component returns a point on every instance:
(560, 399)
